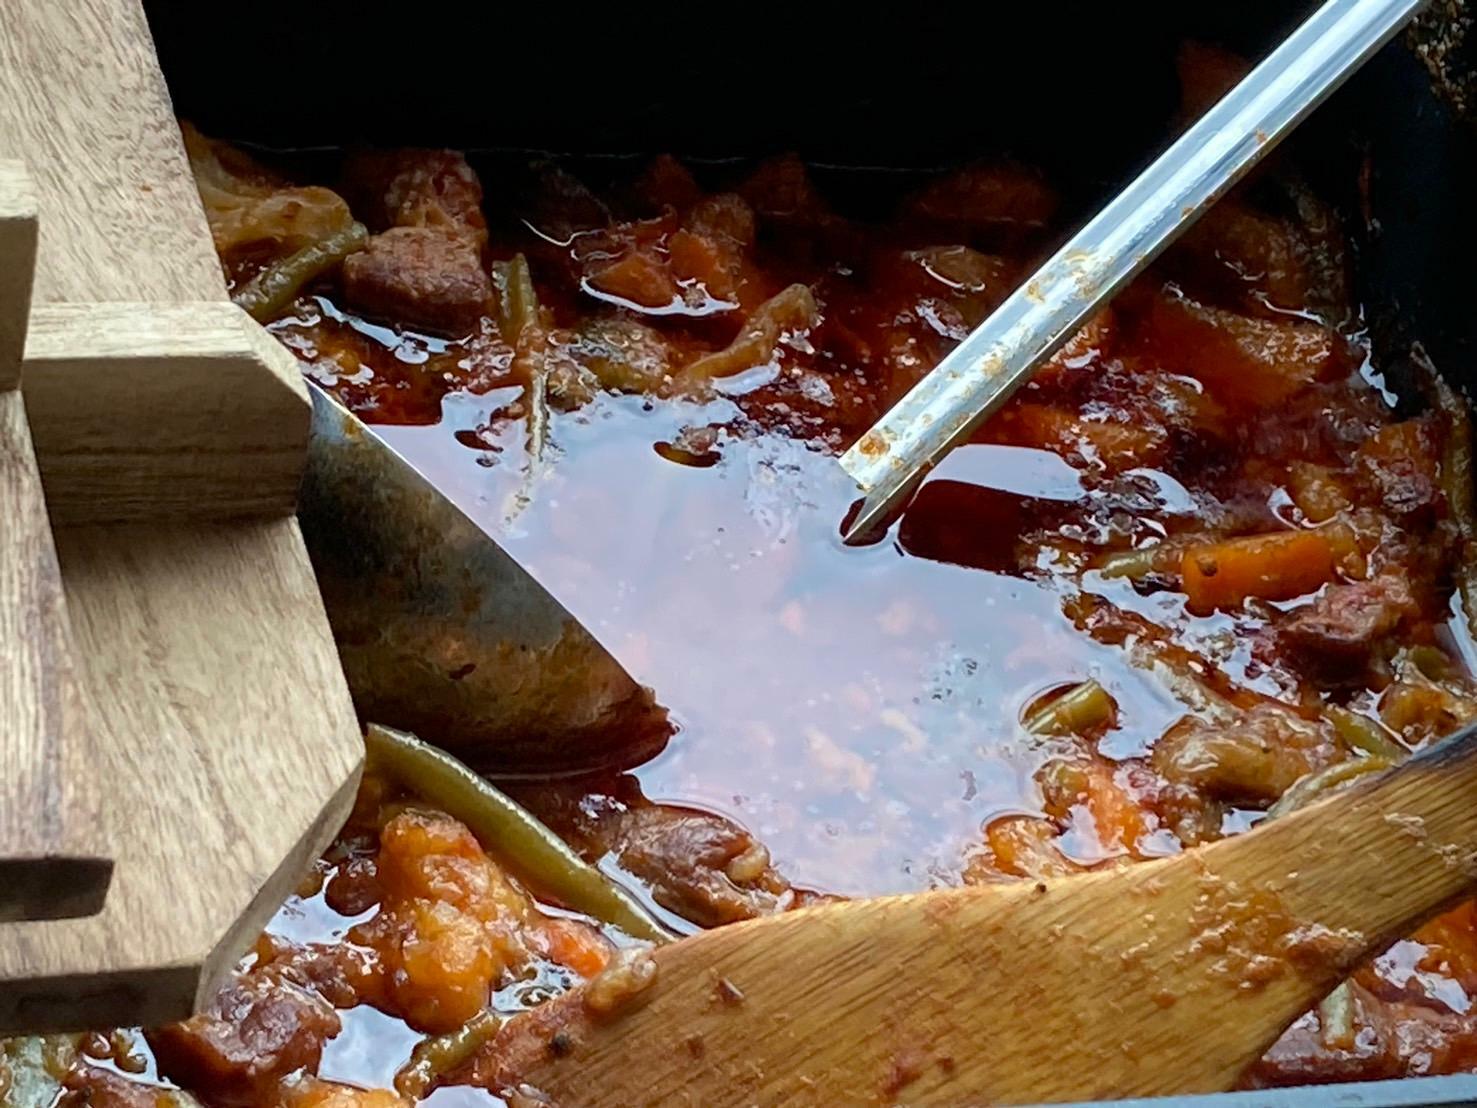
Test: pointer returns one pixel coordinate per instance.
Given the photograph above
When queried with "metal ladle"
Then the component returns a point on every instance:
(976, 379)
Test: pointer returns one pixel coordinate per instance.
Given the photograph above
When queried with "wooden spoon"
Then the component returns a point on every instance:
(1161, 977)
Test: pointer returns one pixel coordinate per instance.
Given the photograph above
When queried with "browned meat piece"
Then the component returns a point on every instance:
(699, 865)
(1399, 464)
(1255, 758)
(257, 1030)
(1333, 638)
(89, 1086)
(1394, 1039)
(418, 188)
(420, 277)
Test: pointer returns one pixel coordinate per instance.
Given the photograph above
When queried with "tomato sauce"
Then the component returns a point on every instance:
(1203, 567)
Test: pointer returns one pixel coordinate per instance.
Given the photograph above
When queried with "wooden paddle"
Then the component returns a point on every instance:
(1161, 977)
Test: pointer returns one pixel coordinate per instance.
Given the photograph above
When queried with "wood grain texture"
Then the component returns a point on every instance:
(228, 753)
(226, 746)
(83, 104)
(1163, 977)
(17, 266)
(167, 410)
(52, 862)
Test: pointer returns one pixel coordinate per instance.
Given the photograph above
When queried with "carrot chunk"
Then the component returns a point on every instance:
(1273, 567)
(1256, 363)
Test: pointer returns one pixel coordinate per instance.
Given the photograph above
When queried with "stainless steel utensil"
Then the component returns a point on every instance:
(982, 372)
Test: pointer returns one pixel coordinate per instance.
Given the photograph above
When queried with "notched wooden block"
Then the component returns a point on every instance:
(163, 411)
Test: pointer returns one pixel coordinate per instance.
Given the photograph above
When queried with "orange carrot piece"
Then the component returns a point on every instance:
(1278, 566)
(575, 946)
(640, 277)
(1254, 363)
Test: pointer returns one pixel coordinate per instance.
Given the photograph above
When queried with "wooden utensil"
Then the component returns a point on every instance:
(1160, 977)
(171, 435)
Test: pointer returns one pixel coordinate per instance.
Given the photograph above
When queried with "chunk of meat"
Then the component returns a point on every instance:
(781, 190)
(1253, 759)
(419, 277)
(1334, 637)
(418, 188)
(1392, 1038)
(89, 1086)
(255, 1031)
(697, 864)
(1253, 363)
(1399, 465)
(666, 183)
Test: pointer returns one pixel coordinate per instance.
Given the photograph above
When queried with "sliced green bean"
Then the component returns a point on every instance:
(1312, 786)
(1074, 712)
(1143, 562)
(530, 849)
(436, 1056)
(517, 306)
(267, 295)
(1336, 1019)
(1364, 734)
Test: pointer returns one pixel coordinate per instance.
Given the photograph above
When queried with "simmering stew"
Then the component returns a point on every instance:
(1206, 567)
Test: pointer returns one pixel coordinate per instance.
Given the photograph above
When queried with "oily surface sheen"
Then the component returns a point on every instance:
(1200, 570)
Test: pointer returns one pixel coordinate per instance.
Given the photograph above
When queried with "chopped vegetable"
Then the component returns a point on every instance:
(532, 850)
(1315, 785)
(1074, 712)
(1279, 566)
(268, 294)
(1366, 735)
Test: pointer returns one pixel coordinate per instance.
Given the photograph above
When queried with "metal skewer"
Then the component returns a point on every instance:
(982, 372)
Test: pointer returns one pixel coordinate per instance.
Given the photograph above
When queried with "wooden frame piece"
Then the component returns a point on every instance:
(170, 432)
(163, 410)
(51, 861)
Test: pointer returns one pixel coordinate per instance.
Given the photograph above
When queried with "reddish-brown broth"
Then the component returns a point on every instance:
(863, 713)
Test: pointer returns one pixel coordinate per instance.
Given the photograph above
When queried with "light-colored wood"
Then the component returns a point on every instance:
(172, 410)
(83, 104)
(228, 751)
(52, 862)
(226, 744)
(1163, 977)
(17, 266)
(52, 859)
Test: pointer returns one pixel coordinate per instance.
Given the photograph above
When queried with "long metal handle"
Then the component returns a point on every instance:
(982, 372)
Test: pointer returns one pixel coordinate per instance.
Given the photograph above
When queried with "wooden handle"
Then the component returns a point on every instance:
(51, 864)
(1155, 978)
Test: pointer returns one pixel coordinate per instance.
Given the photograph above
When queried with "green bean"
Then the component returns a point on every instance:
(1336, 1019)
(1311, 786)
(517, 298)
(534, 852)
(1364, 734)
(267, 295)
(1074, 712)
(1138, 564)
(436, 1056)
